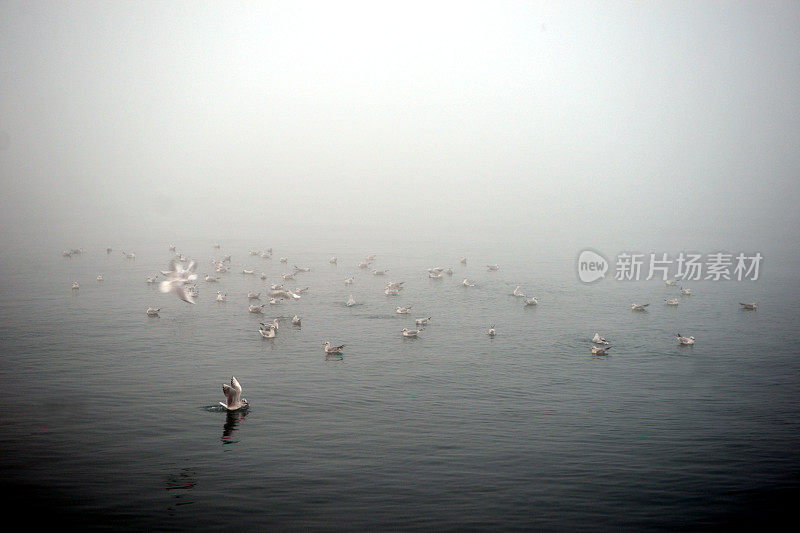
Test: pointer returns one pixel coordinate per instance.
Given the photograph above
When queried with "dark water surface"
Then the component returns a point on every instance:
(109, 417)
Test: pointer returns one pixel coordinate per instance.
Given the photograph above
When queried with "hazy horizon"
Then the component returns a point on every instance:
(642, 124)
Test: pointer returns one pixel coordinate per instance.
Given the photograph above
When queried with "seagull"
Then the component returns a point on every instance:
(350, 301)
(152, 311)
(266, 255)
(233, 393)
(671, 301)
(284, 260)
(295, 320)
(750, 307)
(252, 295)
(671, 282)
(177, 278)
(151, 279)
(332, 350)
(253, 252)
(518, 292)
(363, 264)
(391, 292)
(493, 268)
(686, 341)
(422, 321)
(531, 302)
(267, 332)
(686, 292)
(435, 275)
(75, 285)
(273, 301)
(348, 281)
(395, 285)
(100, 277)
(298, 290)
(283, 295)
(491, 332)
(380, 272)
(211, 279)
(467, 283)
(301, 269)
(600, 351)
(333, 260)
(255, 308)
(246, 271)
(637, 307)
(220, 296)
(463, 260)
(410, 332)
(287, 276)
(597, 339)
(276, 286)
(404, 310)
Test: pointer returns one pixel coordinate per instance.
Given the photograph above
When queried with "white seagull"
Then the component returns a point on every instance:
(532, 301)
(350, 301)
(671, 301)
(518, 292)
(295, 320)
(220, 296)
(422, 321)
(493, 268)
(686, 341)
(152, 311)
(75, 285)
(597, 339)
(409, 332)
(252, 295)
(177, 279)
(391, 292)
(491, 331)
(637, 307)
(100, 277)
(348, 281)
(466, 283)
(333, 260)
(686, 292)
(283, 295)
(404, 310)
(268, 332)
(750, 306)
(233, 396)
(255, 308)
(380, 272)
(600, 351)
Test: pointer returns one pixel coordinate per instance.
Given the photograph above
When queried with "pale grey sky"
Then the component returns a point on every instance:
(556, 120)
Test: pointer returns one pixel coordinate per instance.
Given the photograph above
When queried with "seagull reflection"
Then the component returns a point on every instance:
(334, 357)
(232, 420)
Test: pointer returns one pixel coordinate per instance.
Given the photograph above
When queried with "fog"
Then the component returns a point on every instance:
(639, 123)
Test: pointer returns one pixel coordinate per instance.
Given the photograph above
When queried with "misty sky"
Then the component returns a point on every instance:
(555, 119)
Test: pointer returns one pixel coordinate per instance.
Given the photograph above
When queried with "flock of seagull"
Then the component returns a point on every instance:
(180, 281)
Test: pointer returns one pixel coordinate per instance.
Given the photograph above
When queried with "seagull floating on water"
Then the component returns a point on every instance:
(685, 340)
(380, 272)
(597, 339)
(152, 311)
(404, 310)
(671, 282)
(298, 290)
(220, 296)
(750, 306)
(491, 331)
(671, 301)
(600, 351)
(100, 277)
(295, 320)
(637, 307)
(348, 281)
(422, 321)
(75, 285)
(211, 279)
(466, 283)
(284, 260)
(395, 285)
(518, 292)
(333, 260)
(686, 292)
(493, 268)
(391, 292)
(531, 302)
(247, 271)
(252, 295)
(233, 393)
(410, 332)
(332, 350)
(256, 308)
(283, 295)
(268, 332)
(350, 301)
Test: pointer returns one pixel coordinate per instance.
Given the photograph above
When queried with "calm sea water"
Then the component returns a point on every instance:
(109, 417)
